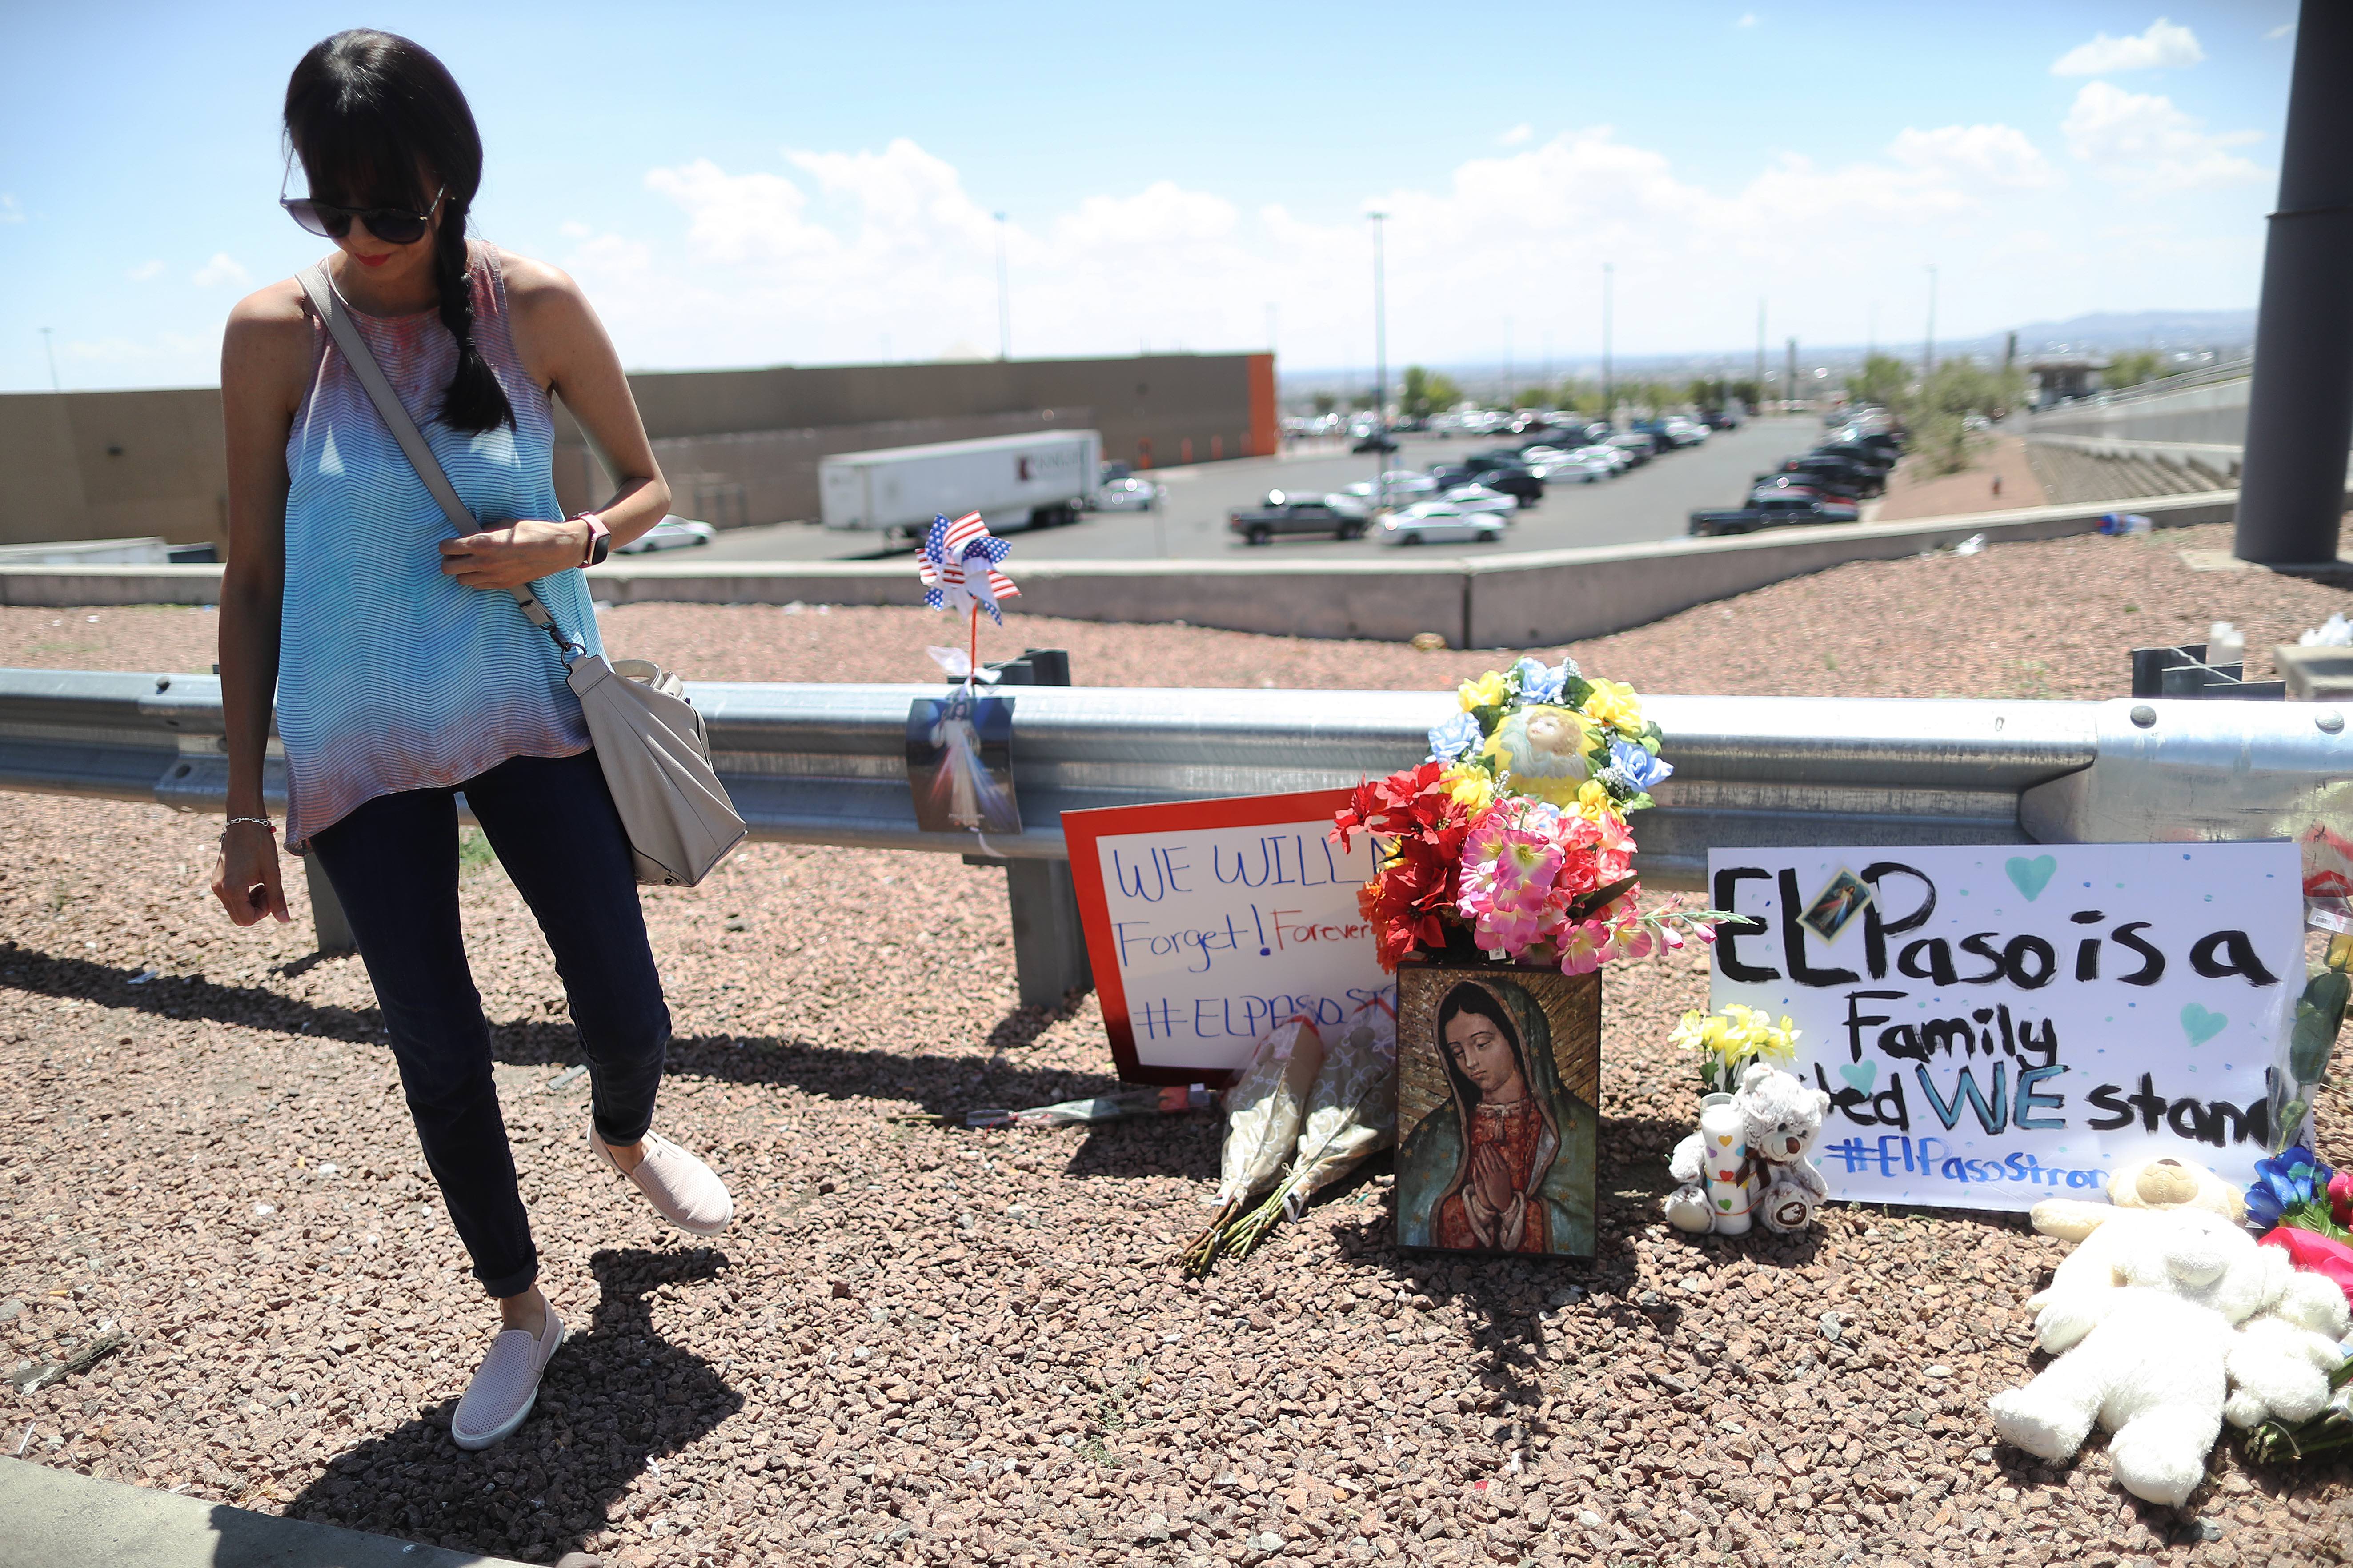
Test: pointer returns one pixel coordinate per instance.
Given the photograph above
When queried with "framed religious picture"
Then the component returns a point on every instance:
(960, 764)
(1499, 1076)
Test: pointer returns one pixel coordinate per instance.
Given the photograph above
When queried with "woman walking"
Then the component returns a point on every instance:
(404, 669)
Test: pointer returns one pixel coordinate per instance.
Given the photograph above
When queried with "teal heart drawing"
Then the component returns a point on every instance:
(1860, 1075)
(2200, 1024)
(2030, 877)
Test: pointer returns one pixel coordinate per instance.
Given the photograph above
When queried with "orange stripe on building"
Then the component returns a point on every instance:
(1265, 438)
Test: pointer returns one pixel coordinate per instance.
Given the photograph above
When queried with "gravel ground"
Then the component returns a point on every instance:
(922, 1344)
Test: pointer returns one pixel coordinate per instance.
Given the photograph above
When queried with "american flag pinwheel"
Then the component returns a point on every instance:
(959, 567)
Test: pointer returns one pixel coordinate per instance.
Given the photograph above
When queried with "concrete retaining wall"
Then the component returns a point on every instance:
(1506, 601)
(2215, 414)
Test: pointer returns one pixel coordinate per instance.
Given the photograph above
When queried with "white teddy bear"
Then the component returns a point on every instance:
(1749, 1160)
(2281, 1364)
(2148, 1362)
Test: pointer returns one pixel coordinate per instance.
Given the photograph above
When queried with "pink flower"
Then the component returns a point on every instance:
(1584, 947)
(1507, 877)
(1630, 939)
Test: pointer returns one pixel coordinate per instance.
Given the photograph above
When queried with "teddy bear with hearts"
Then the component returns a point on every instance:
(1748, 1162)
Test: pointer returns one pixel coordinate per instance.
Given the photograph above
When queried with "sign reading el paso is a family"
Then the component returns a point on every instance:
(1998, 1024)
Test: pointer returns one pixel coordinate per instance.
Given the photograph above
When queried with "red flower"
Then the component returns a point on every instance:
(2341, 1198)
(2314, 1254)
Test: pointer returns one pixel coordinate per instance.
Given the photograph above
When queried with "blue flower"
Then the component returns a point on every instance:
(1538, 684)
(1456, 736)
(2289, 1180)
(1637, 767)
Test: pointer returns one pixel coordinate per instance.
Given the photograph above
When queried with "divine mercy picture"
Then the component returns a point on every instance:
(960, 764)
(1498, 1072)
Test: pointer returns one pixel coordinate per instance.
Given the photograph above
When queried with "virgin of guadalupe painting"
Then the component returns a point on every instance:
(1497, 1073)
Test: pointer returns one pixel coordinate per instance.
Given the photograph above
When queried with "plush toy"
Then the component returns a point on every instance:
(2136, 1191)
(2165, 1184)
(2148, 1360)
(1784, 1122)
(1749, 1157)
(2280, 1365)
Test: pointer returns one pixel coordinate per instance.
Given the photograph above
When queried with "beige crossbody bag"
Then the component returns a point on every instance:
(650, 742)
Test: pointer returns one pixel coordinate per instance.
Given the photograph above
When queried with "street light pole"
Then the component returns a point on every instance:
(49, 344)
(1380, 358)
(1608, 306)
(1003, 298)
(1928, 344)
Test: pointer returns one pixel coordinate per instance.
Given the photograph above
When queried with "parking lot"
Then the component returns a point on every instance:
(1650, 502)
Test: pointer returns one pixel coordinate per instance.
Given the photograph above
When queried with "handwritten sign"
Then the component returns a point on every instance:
(1209, 920)
(1996, 1024)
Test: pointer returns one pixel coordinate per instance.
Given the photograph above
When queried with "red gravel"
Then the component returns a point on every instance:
(921, 1345)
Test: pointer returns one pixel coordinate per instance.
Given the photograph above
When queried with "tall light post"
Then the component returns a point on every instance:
(1004, 298)
(1760, 354)
(1381, 358)
(49, 344)
(1608, 397)
(1928, 344)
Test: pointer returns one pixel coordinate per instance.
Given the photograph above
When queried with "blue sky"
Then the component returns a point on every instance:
(759, 184)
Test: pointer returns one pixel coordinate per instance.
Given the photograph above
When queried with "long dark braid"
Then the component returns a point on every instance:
(474, 401)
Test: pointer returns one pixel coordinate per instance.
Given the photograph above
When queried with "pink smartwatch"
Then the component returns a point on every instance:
(600, 538)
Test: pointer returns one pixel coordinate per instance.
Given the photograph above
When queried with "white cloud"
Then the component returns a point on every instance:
(164, 347)
(1517, 135)
(9, 210)
(2163, 45)
(1999, 155)
(1748, 19)
(573, 228)
(145, 272)
(222, 268)
(2281, 31)
(2143, 140)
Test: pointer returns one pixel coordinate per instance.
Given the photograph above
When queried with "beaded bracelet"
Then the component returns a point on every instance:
(262, 822)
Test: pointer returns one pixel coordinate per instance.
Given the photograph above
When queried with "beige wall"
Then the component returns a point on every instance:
(110, 465)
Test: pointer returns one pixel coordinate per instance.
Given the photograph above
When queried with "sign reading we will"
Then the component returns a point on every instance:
(1209, 922)
(1996, 1024)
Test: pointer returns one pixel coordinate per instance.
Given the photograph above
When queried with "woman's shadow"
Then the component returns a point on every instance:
(616, 1398)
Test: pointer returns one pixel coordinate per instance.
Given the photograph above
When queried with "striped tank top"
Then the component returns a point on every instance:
(390, 675)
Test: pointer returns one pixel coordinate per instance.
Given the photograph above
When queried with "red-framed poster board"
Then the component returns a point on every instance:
(1209, 921)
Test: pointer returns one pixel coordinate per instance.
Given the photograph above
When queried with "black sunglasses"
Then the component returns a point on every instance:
(394, 225)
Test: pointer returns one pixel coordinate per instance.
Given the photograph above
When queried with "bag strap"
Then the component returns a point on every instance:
(363, 361)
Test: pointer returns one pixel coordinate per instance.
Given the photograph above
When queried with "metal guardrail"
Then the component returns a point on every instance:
(826, 764)
(2238, 369)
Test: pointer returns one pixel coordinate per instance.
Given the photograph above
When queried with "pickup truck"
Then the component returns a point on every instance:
(1294, 514)
(1776, 511)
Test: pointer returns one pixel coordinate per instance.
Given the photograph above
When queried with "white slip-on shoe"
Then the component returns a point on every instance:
(682, 1189)
(507, 1385)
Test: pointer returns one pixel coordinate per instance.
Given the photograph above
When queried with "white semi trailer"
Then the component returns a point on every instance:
(1013, 481)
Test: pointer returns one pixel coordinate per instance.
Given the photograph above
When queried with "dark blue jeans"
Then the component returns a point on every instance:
(393, 865)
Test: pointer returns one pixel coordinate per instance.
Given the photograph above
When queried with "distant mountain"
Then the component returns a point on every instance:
(2115, 332)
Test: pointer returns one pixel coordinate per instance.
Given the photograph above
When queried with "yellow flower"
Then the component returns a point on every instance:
(1487, 691)
(1473, 788)
(1692, 1033)
(1592, 800)
(1613, 702)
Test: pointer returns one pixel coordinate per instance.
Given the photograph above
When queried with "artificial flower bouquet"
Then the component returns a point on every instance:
(2304, 1208)
(1730, 1041)
(1512, 831)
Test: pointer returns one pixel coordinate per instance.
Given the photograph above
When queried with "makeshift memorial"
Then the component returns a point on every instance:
(1510, 839)
(2147, 1359)
(1748, 1158)
(1499, 1071)
(1209, 922)
(2161, 1183)
(1995, 1029)
(959, 747)
(1264, 1113)
(1351, 1115)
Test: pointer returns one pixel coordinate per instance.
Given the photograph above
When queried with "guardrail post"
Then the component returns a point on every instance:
(1050, 949)
(335, 931)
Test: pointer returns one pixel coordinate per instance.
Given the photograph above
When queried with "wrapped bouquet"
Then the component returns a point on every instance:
(1513, 830)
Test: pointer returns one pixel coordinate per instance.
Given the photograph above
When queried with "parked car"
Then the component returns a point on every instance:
(1636, 445)
(1125, 495)
(1617, 458)
(1438, 522)
(1816, 484)
(1568, 468)
(1522, 483)
(1686, 432)
(1397, 485)
(671, 534)
(1782, 511)
(1478, 498)
(1285, 514)
(1375, 442)
(1862, 478)
(1723, 419)
(1449, 476)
